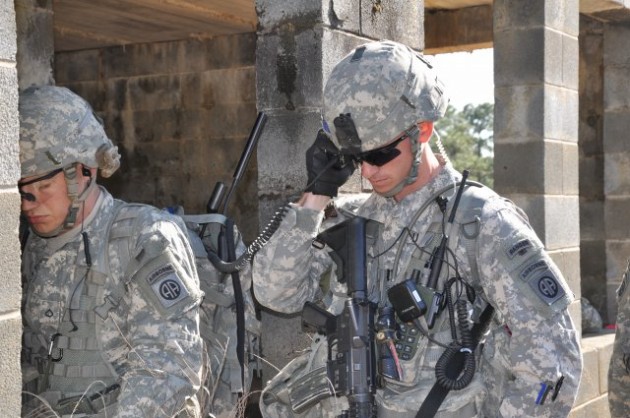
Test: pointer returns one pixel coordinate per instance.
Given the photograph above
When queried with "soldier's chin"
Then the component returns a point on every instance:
(46, 231)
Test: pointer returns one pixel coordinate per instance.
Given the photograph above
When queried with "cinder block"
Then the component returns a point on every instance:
(616, 53)
(342, 15)
(570, 60)
(8, 31)
(616, 126)
(550, 167)
(528, 66)
(288, 69)
(273, 13)
(568, 261)
(616, 88)
(602, 345)
(394, 19)
(570, 169)
(337, 45)
(221, 52)
(519, 112)
(591, 183)
(615, 212)
(11, 285)
(10, 373)
(286, 138)
(561, 114)
(9, 128)
(562, 223)
(617, 256)
(515, 174)
(617, 175)
(589, 385)
(509, 15)
(76, 66)
(597, 407)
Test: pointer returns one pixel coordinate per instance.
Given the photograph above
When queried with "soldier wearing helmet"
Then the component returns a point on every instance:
(477, 254)
(111, 293)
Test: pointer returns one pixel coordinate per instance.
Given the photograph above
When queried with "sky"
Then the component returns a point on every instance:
(468, 76)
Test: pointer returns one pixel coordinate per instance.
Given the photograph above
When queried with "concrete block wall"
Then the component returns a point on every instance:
(536, 108)
(10, 285)
(180, 113)
(592, 398)
(616, 149)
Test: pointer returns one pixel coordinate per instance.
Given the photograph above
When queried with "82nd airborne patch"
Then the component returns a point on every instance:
(167, 286)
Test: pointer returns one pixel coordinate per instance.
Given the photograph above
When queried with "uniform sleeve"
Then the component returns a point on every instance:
(530, 295)
(619, 371)
(163, 369)
(287, 271)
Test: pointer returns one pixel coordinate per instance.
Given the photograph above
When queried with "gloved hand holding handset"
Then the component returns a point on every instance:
(327, 169)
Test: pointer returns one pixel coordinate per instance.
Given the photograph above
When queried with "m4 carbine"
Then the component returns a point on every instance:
(351, 365)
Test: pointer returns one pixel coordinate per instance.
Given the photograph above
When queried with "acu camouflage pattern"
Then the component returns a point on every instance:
(385, 87)
(129, 332)
(540, 346)
(619, 370)
(57, 129)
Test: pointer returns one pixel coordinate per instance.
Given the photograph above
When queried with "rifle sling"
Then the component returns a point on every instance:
(238, 298)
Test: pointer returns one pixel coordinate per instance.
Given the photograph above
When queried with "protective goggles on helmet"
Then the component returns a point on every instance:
(29, 196)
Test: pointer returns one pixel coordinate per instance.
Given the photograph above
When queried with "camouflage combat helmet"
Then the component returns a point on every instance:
(58, 129)
(386, 88)
(376, 94)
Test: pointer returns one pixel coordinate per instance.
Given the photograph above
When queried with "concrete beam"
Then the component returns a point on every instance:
(606, 10)
(457, 30)
(595, 6)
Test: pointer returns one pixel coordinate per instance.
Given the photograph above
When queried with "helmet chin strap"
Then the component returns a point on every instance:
(416, 149)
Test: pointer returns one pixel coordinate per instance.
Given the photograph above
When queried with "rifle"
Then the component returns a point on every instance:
(351, 365)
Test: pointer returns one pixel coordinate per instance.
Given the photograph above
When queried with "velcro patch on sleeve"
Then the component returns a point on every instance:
(167, 286)
(540, 278)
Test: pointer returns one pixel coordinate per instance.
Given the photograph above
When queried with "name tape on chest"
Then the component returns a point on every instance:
(167, 286)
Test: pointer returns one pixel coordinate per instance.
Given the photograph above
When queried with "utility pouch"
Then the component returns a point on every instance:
(309, 389)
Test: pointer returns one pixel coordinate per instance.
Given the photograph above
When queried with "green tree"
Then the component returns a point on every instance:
(467, 136)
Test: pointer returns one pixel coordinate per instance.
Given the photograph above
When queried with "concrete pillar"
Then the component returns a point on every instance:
(10, 285)
(616, 148)
(36, 42)
(299, 41)
(591, 154)
(536, 122)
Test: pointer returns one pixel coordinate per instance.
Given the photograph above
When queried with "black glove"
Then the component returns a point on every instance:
(326, 170)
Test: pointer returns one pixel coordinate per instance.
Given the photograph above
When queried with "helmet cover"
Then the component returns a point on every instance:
(57, 129)
(384, 88)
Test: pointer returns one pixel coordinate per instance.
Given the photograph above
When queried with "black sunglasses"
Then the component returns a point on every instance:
(381, 156)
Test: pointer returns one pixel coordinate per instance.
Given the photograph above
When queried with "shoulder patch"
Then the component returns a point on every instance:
(167, 286)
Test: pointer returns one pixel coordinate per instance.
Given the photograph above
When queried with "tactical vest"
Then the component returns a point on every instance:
(306, 371)
(73, 362)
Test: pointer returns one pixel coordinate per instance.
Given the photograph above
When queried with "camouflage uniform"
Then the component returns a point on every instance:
(619, 371)
(130, 330)
(532, 339)
(110, 306)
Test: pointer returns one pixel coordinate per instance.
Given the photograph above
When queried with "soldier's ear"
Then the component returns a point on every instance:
(426, 130)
